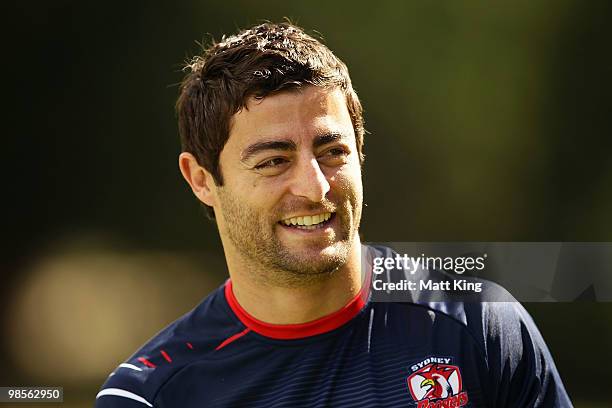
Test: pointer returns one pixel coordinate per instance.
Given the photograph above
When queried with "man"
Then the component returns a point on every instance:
(272, 136)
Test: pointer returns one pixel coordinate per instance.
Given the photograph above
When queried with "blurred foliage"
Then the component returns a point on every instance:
(487, 122)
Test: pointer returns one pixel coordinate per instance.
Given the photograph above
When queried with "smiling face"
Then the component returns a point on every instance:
(292, 193)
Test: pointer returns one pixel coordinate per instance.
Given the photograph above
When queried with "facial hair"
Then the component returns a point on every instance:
(253, 233)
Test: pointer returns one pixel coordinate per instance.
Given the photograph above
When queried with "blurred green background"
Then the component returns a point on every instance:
(488, 121)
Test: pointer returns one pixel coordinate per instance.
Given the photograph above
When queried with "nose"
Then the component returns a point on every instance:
(309, 181)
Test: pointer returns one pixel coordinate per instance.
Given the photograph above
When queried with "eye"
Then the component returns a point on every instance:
(271, 163)
(336, 151)
(272, 167)
(334, 156)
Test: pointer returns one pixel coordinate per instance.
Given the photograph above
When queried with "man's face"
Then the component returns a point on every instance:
(292, 192)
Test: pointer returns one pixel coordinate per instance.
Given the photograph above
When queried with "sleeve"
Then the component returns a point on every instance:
(521, 368)
(122, 390)
(118, 400)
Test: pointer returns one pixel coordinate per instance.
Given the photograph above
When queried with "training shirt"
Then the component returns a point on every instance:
(422, 354)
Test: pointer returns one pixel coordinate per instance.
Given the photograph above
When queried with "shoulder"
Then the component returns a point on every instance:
(479, 305)
(520, 367)
(191, 338)
(483, 308)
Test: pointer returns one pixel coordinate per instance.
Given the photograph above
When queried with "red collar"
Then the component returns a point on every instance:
(297, 331)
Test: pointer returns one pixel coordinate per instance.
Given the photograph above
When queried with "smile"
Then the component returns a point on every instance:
(307, 221)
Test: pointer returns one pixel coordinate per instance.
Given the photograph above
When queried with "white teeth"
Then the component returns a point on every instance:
(309, 221)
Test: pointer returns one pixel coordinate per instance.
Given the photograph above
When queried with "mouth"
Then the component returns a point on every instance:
(309, 222)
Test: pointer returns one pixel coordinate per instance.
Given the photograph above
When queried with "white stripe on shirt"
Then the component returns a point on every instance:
(123, 393)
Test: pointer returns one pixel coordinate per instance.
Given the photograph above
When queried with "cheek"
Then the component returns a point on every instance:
(263, 197)
(256, 192)
(347, 181)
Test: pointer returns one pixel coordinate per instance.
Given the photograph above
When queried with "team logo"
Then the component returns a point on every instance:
(435, 383)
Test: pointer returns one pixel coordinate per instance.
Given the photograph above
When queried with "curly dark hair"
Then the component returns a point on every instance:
(259, 61)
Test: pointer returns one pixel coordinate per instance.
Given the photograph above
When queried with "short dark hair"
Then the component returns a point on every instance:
(259, 61)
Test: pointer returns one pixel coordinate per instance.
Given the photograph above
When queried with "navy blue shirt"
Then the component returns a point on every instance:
(420, 354)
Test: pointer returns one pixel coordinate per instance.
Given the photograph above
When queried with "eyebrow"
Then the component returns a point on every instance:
(326, 139)
(287, 145)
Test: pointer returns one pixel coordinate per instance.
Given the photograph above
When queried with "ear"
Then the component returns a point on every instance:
(199, 179)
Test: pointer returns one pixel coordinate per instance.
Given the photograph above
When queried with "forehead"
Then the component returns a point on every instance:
(299, 115)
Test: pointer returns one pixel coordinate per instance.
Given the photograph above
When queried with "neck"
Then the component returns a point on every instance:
(299, 304)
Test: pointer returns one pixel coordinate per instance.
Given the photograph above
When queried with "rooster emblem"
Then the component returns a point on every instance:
(435, 381)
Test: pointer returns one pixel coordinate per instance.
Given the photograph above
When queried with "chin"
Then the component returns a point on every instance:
(319, 259)
(310, 249)
(319, 269)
